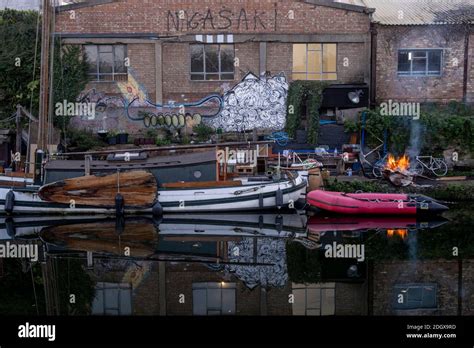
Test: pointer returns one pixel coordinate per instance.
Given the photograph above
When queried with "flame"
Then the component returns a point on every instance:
(401, 164)
(402, 233)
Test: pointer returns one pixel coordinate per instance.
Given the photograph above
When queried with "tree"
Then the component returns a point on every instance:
(18, 83)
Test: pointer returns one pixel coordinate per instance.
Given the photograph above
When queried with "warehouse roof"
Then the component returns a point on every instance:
(418, 12)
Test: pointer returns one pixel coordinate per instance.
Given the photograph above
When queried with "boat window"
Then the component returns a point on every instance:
(197, 174)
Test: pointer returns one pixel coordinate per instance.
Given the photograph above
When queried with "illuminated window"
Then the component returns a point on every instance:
(212, 62)
(314, 62)
(106, 62)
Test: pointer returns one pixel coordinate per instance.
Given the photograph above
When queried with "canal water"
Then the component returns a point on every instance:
(238, 264)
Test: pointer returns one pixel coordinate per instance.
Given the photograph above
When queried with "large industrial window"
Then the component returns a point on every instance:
(314, 299)
(214, 298)
(419, 62)
(106, 62)
(415, 296)
(212, 62)
(315, 61)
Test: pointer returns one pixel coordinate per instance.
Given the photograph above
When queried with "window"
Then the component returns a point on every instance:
(112, 299)
(314, 62)
(419, 62)
(212, 62)
(214, 298)
(314, 299)
(414, 296)
(106, 62)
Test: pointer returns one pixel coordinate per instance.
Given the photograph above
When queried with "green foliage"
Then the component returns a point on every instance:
(81, 140)
(304, 265)
(17, 35)
(451, 192)
(162, 141)
(299, 94)
(203, 132)
(441, 127)
(70, 77)
(19, 83)
(351, 126)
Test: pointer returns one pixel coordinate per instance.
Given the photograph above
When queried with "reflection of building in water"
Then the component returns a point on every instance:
(251, 279)
(430, 287)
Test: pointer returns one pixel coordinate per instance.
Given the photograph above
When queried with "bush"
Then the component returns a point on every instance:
(304, 265)
(203, 132)
(82, 140)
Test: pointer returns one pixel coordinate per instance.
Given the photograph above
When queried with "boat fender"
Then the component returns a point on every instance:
(260, 221)
(9, 202)
(279, 198)
(119, 224)
(157, 209)
(11, 230)
(260, 200)
(119, 205)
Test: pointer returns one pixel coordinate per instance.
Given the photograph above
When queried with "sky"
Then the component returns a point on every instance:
(25, 4)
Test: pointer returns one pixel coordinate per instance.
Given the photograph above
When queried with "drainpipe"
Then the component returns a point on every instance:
(373, 65)
(466, 63)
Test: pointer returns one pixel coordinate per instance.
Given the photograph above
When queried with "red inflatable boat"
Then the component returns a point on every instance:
(374, 203)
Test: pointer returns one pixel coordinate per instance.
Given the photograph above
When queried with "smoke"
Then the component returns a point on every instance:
(416, 139)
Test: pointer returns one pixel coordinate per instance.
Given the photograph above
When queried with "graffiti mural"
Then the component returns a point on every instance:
(253, 103)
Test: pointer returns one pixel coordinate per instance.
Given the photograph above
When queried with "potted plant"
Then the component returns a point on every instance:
(103, 133)
(122, 137)
(112, 138)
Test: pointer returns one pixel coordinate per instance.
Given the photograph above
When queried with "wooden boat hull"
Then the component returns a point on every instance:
(374, 203)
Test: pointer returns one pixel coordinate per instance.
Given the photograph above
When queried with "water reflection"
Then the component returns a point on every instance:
(240, 264)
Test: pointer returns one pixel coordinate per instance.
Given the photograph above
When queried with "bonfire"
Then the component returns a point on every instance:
(397, 170)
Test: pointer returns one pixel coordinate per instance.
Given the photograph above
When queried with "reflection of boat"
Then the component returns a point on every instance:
(361, 223)
(374, 203)
(194, 235)
(139, 193)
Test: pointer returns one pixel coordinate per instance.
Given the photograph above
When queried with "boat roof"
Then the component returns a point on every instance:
(155, 162)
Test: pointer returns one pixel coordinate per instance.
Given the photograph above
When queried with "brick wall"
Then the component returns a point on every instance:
(470, 81)
(448, 86)
(263, 16)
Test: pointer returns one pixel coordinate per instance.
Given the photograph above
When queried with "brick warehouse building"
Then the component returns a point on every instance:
(423, 50)
(178, 52)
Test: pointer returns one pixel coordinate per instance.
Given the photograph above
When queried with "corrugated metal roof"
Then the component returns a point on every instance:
(419, 12)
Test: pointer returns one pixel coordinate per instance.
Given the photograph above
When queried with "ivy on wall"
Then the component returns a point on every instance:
(299, 94)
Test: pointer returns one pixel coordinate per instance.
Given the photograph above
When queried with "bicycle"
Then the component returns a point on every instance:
(437, 166)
